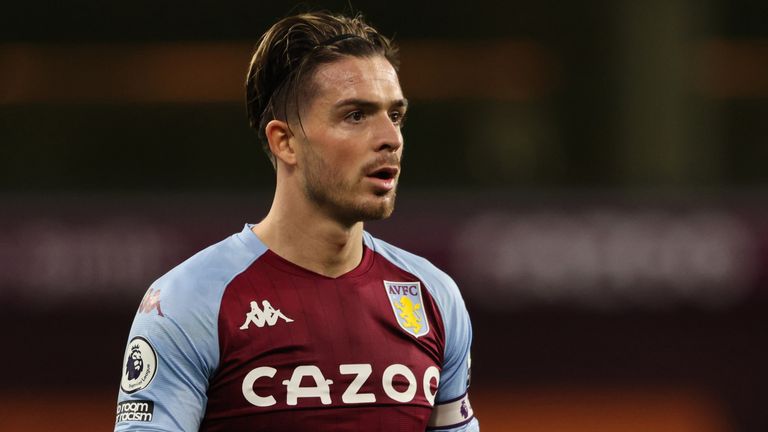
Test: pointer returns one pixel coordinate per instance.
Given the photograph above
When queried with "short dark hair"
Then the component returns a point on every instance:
(288, 54)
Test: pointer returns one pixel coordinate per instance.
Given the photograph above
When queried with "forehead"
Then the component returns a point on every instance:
(371, 78)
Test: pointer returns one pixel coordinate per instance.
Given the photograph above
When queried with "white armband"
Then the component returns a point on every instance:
(451, 414)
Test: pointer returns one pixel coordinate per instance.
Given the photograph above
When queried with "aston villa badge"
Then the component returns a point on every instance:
(408, 306)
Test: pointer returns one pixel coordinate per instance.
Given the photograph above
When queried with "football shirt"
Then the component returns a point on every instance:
(238, 338)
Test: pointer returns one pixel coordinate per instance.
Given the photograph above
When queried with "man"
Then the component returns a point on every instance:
(304, 322)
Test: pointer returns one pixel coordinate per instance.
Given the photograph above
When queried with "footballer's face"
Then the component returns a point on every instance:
(351, 144)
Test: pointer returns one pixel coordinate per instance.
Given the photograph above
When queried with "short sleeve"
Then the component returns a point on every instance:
(166, 366)
(453, 411)
(173, 346)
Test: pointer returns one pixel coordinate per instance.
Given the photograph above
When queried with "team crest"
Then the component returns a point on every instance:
(408, 306)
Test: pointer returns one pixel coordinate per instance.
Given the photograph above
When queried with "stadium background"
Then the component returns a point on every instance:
(593, 173)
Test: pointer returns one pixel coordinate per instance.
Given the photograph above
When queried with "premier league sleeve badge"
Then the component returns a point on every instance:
(140, 367)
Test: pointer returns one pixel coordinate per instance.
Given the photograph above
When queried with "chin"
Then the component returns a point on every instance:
(383, 214)
(376, 209)
(378, 213)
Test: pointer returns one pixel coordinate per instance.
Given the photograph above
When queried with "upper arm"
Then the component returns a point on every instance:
(453, 411)
(171, 353)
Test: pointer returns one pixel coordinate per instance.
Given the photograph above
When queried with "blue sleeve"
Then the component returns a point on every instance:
(173, 345)
(168, 361)
(452, 412)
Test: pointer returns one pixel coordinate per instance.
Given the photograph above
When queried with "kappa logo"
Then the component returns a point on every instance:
(406, 301)
(150, 302)
(261, 317)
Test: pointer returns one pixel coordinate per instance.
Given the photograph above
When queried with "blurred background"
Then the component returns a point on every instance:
(592, 173)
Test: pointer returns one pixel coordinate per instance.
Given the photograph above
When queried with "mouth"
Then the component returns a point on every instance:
(383, 178)
(384, 173)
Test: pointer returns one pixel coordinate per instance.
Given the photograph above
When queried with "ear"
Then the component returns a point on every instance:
(280, 141)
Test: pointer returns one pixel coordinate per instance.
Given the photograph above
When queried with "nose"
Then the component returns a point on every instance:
(388, 136)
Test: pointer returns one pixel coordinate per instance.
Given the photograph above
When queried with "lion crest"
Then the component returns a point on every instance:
(409, 313)
(134, 364)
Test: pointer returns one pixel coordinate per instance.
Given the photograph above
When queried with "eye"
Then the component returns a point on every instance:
(397, 117)
(355, 116)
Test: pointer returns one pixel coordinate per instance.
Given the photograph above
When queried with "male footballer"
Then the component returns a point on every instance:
(304, 321)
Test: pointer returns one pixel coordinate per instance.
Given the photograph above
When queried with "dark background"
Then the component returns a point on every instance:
(592, 173)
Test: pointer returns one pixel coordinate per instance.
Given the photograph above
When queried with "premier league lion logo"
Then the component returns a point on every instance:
(463, 409)
(135, 363)
(140, 365)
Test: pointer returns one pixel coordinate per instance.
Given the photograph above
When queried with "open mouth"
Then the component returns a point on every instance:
(386, 173)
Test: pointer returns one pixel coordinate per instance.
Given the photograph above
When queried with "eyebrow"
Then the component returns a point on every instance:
(367, 104)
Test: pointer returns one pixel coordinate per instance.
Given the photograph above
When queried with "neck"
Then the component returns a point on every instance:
(307, 237)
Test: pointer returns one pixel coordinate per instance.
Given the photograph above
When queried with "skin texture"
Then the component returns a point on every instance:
(325, 165)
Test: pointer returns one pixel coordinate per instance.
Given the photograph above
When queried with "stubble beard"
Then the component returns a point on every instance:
(327, 189)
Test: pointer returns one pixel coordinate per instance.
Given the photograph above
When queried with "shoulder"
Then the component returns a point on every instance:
(177, 322)
(439, 284)
(184, 303)
(197, 284)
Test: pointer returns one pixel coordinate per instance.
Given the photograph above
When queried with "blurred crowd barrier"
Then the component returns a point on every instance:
(578, 252)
